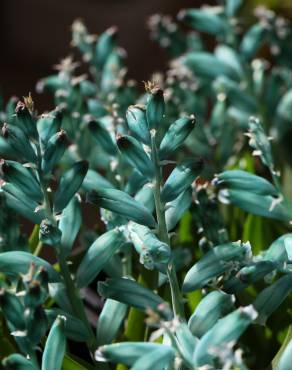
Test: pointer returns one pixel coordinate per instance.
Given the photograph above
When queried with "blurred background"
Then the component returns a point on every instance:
(35, 35)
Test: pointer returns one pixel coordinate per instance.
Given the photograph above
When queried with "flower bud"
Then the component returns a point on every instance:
(135, 155)
(137, 122)
(180, 179)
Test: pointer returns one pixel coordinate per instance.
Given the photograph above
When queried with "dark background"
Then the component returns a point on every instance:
(35, 35)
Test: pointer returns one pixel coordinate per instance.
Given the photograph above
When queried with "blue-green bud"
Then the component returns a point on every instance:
(155, 107)
(253, 40)
(137, 122)
(17, 362)
(18, 262)
(210, 309)
(22, 203)
(12, 309)
(176, 208)
(127, 352)
(69, 184)
(110, 320)
(105, 45)
(176, 136)
(153, 252)
(269, 299)
(135, 155)
(54, 151)
(25, 120)
(121, 203)
(102, 136)
(207, 65)
(204, 20)
(133, 294)
(180, 179)
(49, 233)
(242, 180)
(214, 263)
(55, 347)
(158, 359)
(70, 224)
(98, 255)
(19, 141)
(227, 329)
(21, 177)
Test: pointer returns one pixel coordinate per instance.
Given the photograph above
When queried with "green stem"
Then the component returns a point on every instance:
(33, 358)
(176, 296)
(75, 300)
(38, 249)
(73, 294)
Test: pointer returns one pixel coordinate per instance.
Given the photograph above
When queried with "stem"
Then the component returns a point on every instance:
(176, 296)
(33, 358)
(73, 294)
(38, 249)
(75, 300)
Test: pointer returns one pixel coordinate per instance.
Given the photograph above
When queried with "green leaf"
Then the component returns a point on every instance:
(69, 184)
(34, 238)
(55, 346)
(286, 358)
(98, 255)
(70, 364)
(282, 360)
(121, 203)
